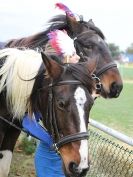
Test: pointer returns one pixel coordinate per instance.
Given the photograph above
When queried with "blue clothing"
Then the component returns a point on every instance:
(33, 128)
(47, 162)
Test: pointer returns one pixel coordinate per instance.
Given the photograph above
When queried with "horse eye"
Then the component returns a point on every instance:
(90, 47)
(61, 104)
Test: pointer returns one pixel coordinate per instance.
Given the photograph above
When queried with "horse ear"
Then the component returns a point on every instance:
(72, 23)
(53, 68)
(91, 22)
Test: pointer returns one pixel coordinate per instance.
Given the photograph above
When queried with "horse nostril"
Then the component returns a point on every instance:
(84, 171)
(73, 167)
(115, 90)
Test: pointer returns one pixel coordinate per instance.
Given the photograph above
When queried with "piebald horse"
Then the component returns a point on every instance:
(32, 82)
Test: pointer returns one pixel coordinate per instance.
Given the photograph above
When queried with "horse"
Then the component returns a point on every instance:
(89, 42)
(33, 82)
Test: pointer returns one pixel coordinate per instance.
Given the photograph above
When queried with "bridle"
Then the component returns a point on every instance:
(51, 119)
(105, 68)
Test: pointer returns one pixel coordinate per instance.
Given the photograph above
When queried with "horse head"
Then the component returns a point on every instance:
(64, 100)
(90, 43)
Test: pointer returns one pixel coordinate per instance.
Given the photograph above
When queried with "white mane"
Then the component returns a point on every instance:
(20, 65)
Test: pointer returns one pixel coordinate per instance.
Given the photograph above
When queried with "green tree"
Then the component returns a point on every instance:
(130, 49)
(115, 50)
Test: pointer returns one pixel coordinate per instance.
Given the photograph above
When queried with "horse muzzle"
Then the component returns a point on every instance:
(76, 171)
(115, 90)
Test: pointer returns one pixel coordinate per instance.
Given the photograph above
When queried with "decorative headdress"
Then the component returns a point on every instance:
(65, 9)
(61, 43)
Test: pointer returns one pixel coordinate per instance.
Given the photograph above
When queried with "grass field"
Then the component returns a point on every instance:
(126, 72)
(117, 113)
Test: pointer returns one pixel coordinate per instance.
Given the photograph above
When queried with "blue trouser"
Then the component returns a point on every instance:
(47, 162)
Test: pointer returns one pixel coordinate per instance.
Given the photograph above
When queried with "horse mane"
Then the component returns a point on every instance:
(41, 38)
(97, 30)
(18, 77)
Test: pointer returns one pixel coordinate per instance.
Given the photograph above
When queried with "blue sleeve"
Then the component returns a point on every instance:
(47, 162)
(32, 127)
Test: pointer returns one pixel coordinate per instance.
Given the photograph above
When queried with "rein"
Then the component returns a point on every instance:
(12, 124)
(53, 120)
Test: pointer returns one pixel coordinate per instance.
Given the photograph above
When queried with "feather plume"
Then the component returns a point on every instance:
(61, 42)
(65, 9)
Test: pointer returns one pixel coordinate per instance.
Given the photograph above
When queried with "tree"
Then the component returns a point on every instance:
(130, 49)
(115, 50)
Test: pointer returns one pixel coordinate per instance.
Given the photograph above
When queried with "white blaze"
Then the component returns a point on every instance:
(81, 99)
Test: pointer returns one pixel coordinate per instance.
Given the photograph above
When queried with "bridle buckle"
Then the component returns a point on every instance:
(55, 147)
(98, 84)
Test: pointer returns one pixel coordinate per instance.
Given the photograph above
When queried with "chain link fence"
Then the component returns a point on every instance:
(107, 158)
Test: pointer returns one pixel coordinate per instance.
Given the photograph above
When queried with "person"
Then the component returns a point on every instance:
(62, 45)
(47, 162)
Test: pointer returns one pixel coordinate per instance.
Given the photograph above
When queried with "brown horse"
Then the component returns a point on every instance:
(61, 93)
(90, 44)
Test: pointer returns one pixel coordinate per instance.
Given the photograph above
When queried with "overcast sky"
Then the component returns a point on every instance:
(19, 18)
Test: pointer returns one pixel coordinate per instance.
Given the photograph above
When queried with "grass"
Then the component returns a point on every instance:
(116, 113)
(22, 165)
(126, 72)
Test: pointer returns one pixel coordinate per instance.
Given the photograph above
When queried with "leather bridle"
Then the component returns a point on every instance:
(105, 68)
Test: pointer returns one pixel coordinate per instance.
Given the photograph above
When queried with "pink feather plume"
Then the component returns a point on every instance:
(53, 40)
(61, 42)
(65, 9)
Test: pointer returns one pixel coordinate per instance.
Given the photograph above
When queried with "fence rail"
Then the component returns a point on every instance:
(112, 132)
(108, 159)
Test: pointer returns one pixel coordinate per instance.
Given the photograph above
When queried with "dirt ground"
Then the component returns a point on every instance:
(22, 165)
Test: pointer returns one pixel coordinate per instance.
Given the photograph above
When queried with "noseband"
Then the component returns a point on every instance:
(51, 117)
(105, 68)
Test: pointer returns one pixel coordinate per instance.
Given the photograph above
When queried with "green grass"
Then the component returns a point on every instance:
(126, 72)
(116, 113)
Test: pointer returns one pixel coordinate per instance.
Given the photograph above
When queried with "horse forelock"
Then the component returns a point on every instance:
(17, 75)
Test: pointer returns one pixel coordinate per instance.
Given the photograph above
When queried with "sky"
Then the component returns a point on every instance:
(19, 18)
